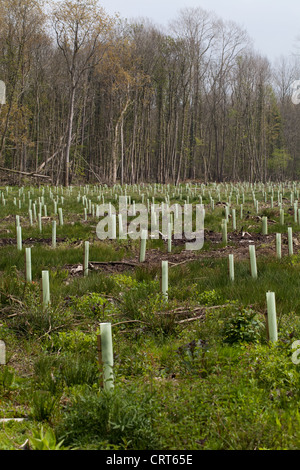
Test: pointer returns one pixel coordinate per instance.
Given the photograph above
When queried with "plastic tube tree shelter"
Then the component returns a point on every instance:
(86, 258)
(105, 351)
(272, 321)
(60, 215)
(19, 237)
(2, 92)
(169, 237)
(290, 240)
(2, 353)
(264, 225)
(295, 212)
(231, 267)
(45, 289)
(28, 271)
(253, 264)
(54, 233)
(281, 216)
(120, 220)
(164, 279)
(143, 246)
(233, 213)
(224, 231)
(278, 245)
(114, 226)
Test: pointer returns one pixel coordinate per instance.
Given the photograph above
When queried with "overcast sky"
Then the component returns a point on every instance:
(273, 25)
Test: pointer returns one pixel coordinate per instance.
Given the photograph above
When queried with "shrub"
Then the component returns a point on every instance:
(104, 419)
(71, 341)
(275, 370)
(89, 305)
(243, 325)
(209, 298)
(31, 319)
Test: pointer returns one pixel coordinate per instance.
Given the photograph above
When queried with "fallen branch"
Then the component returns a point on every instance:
(130, 321)
(187, 320)
(172, 265)
(60, 149)
(6, 420)
(108, 263)
(197, 312)
(11, 297)
(25, 173)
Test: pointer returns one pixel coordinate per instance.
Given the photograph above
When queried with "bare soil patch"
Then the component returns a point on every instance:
(238, 244)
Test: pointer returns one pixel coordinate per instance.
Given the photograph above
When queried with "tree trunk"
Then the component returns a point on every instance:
(69, 136)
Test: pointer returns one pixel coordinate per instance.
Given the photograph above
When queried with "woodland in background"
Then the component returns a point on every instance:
(96, 98)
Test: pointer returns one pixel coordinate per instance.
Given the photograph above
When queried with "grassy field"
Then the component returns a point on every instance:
(194, 372)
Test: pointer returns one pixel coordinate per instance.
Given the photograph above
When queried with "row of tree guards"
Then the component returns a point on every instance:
(105, 346)
(144, 234)
(104, 340)
(252, 255)
(216, 191)
(37, 208)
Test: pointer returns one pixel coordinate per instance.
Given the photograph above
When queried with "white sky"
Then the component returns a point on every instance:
(273, 25)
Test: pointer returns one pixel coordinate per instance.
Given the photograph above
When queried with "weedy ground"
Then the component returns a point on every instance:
(194, 372)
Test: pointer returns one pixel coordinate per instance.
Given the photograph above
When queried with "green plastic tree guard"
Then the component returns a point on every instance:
(278, 245)
(231, 267)
(107, 355)
(19, 237)
(40, 222)
(28, 273)
(233, 219)
(113, 226)
(54, 233)
(281, 217)
(60, 215)
(45, 289)
(253, 264)
(164, 279)
(169, 237)
(290, 240)
(272, 321)
(265, 225)
(86, 258)
(224, 231)
(143, 246)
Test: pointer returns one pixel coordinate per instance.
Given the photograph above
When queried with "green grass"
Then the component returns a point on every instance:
(213, 384)
(279, 276)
